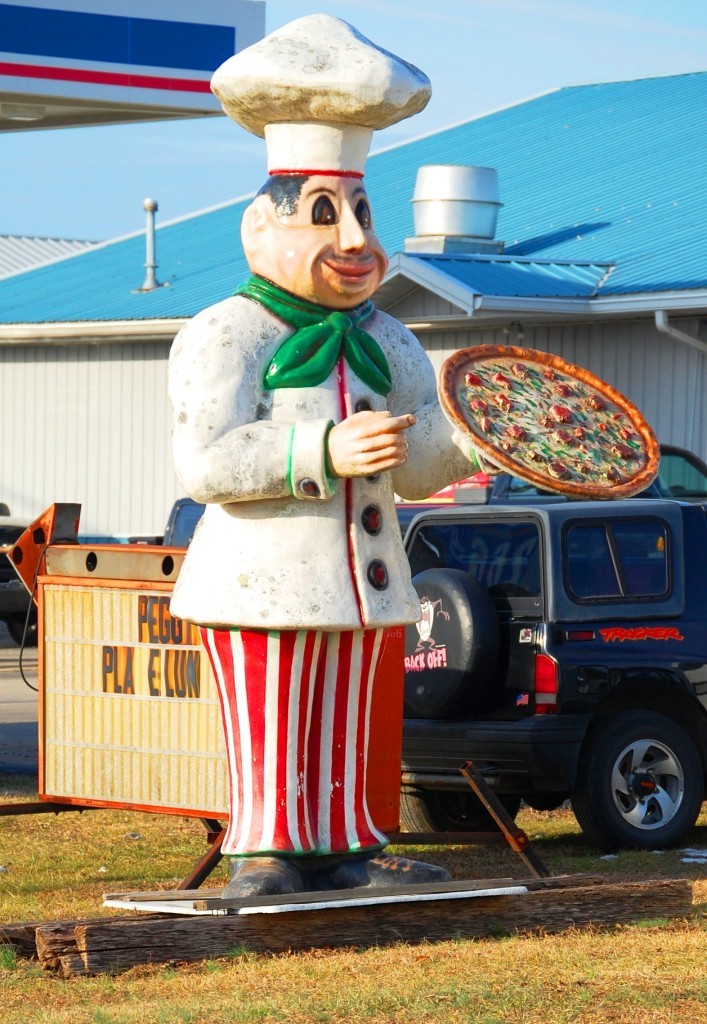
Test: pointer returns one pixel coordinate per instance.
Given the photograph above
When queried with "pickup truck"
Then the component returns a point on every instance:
(682, 475)
(563, 649)
(16, 607)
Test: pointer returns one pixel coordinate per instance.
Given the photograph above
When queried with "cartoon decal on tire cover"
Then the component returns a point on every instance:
(428, 608)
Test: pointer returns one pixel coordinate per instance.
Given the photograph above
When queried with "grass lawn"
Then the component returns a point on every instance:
(55, 867)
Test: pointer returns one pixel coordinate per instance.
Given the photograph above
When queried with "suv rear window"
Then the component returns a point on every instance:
(503, 556)
(617, 559)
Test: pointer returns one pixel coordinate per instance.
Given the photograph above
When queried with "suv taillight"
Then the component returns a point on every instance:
(545, 685)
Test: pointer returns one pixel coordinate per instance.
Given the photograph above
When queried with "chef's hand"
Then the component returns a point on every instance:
(368, 443)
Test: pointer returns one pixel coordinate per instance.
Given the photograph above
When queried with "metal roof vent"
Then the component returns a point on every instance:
(150, 283)
(455, 209)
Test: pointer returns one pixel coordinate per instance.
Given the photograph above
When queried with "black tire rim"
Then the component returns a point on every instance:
(647, 784)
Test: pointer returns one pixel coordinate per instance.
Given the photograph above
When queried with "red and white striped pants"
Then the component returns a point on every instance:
(296, 710)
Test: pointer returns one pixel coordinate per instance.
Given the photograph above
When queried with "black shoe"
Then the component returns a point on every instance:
(262, 876)
(386, 870)
(369, 871)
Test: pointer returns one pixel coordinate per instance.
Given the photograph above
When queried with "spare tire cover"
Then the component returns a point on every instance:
(452, 652)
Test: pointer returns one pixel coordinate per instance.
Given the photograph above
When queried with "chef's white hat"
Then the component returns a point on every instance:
(316, 90)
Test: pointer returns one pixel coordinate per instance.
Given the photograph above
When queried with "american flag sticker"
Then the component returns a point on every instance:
(522, 700)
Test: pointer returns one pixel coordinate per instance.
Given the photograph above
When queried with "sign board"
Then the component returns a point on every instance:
(129, 710)
(84, 62)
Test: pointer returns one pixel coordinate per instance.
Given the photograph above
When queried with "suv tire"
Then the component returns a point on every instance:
(452, 653)
(640, 783)
(448, 810)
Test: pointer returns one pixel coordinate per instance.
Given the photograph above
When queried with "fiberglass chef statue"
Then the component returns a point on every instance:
(299, 410)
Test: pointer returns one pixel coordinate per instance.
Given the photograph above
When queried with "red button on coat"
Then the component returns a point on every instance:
(372, 519)
(378, 575)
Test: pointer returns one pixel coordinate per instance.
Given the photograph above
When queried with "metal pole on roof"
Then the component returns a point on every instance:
(150, 283)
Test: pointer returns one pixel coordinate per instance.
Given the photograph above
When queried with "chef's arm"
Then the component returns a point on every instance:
(226, 447)
(259, 460)
(437, 454)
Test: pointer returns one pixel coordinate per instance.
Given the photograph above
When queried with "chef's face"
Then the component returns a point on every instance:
(320, 246)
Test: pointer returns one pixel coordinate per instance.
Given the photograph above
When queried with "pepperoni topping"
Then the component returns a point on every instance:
(622, 451)
(478, 405)
(515, 431)
(544, 420)
(625, 433)
(559, 470)
(472, 380)
(503, 402)
(549, 374)
(520, 371)
(486, 424)
(564, 437)
(596, 402)
(579, 433)
(561, 414)
(501, 380)
(613, 475)
(563, 390)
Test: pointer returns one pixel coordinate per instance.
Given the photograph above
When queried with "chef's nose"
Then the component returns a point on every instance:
(352, 237)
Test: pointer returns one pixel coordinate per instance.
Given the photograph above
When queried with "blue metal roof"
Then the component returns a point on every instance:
(523, 278)
(598, 175)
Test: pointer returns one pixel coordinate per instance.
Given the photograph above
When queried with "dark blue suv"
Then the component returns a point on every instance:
(563, 649)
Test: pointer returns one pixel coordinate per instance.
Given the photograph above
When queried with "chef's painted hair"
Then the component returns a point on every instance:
(284, 191)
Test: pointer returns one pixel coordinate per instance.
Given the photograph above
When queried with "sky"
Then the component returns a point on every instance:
(480, 55)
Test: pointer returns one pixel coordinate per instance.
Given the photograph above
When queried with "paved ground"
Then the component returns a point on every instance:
(18, 707)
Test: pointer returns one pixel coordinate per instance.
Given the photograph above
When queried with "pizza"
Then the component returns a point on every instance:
(549, 422)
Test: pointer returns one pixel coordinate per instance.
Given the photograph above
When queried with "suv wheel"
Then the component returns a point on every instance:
(451, 655)
(640, 783)
(448, 810)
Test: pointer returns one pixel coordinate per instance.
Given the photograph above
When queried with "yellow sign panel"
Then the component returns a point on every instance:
(130, 707)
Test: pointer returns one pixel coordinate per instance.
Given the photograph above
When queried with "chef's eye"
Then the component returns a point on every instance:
(323, 211)
(363, 214)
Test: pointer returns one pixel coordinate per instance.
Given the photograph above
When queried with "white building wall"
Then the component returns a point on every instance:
(91, 424)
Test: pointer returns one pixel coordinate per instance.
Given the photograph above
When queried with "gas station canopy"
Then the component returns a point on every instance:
(68, 63)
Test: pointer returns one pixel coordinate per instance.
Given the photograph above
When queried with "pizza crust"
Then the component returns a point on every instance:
(549, 422)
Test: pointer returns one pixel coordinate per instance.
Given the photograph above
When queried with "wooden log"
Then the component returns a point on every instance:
(55, 940)
(70, 965)
(118, 944)
(20, 936)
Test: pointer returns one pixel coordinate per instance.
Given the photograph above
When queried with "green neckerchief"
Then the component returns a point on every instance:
(309, 355)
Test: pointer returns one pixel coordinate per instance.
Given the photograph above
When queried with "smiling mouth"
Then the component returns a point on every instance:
(352, 268)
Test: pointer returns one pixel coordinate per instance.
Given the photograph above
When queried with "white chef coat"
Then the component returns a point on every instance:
(281, 546)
